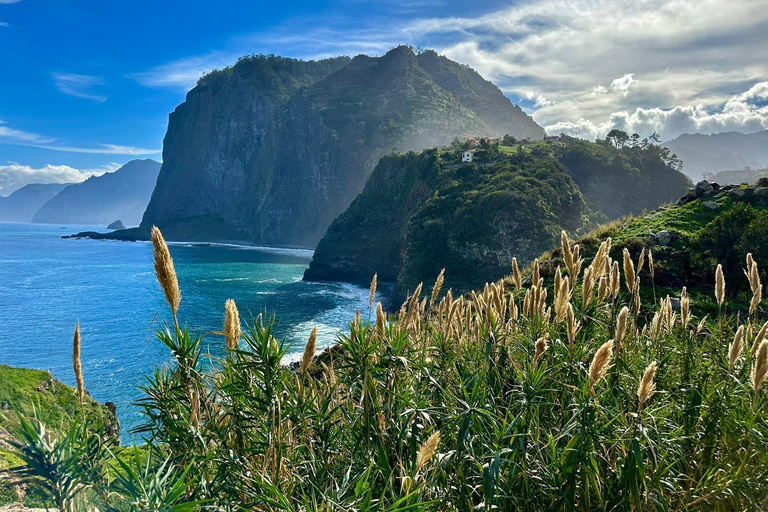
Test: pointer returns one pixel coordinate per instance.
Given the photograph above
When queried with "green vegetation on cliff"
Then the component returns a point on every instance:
(421, 213)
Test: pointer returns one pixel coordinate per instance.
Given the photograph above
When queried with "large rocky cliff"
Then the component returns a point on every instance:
(420, 213)
(271, 150)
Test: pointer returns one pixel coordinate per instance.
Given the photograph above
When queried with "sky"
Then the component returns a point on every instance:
(87, 86)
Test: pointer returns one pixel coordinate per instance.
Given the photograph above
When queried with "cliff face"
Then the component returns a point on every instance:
(420, 213)
(122, 194)
(278, 148)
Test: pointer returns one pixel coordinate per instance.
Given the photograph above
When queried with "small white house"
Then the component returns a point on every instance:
(466, 156)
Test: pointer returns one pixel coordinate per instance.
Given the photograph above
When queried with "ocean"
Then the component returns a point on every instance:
(48, 283)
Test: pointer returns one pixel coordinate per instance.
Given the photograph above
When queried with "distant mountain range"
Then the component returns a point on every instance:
(720, 152)
(22, 204)
(272, 149)
(120, 195)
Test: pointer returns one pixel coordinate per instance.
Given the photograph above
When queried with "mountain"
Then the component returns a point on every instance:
(720, 152)
(272, 149)
(22, 204)
(423, 212)
(122, 194)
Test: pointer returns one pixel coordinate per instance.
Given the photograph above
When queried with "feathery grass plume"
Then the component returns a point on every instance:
(756, 299)
(647, 386)
(587, 284)
(651, 267)
(76, 364)
(641, 261)
(566, 247)
(600, 363)
(760, 336)
(536, 275)
(427, 450)
(514, 313)
(309, 351)
(541, 346)
(615, 280)
(735, 348)
(572, 324)
(558, 279)
(381, 318)
(629, 271)
(702, 325)
(719, 285)
(760, 367)
(374, 284)
(437, 287)
(231, 325)
(636, 297)
(562, 298)
(166, 274)
(685, 306)
(517, 277)
(621, 326)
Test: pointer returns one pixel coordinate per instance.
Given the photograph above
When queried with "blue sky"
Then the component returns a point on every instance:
(88, 85)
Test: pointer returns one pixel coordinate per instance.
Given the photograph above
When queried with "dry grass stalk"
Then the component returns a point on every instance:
(636, 297)
(572, 324)
(641, 261)
(77, 364)
(651, 268)
(427, 450)
(231, 325)
(621, 326)
(647, 386)
(600, 363)
(381, 318)
(562, 299)
(760, 336)
(685, 306)
(166, 274)
(760, 367)
(309, 351)
(719, 285)
(374, 284)
(756, 298)
(629, 271)
(587, 284)
(615, 280)
(702, 325)
(437, 287)
(541, 346)
(517, 277)
(736, 347)
(536, 273)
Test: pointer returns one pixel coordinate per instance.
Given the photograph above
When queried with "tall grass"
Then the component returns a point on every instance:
(505, 399)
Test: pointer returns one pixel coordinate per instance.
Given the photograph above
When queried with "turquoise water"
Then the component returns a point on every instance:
(48, 283)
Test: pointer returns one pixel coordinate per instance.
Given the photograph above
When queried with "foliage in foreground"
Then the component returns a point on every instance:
(517, 399)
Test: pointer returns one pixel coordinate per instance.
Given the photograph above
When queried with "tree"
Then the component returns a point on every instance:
(618, 138)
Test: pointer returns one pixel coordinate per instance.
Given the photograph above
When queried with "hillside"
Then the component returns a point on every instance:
(122, 195)
(420, 213)
(22, 204)
(711, 224)
(22, 392)
(271, 150)
(720, 151)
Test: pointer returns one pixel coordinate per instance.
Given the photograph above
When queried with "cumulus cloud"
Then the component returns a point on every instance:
(538, 99)
(79, 86)
(599, 89)
(624, 83)
(13, 176)
(746, 112)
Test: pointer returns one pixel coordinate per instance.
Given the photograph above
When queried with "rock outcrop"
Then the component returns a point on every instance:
(276, 148)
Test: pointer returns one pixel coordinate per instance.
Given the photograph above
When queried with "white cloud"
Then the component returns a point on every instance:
(8, 134)
(599, 89)
(79, 86)
(745, 112)
(101, 149)
(538, 99)
(624, 83)
(13, 176)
